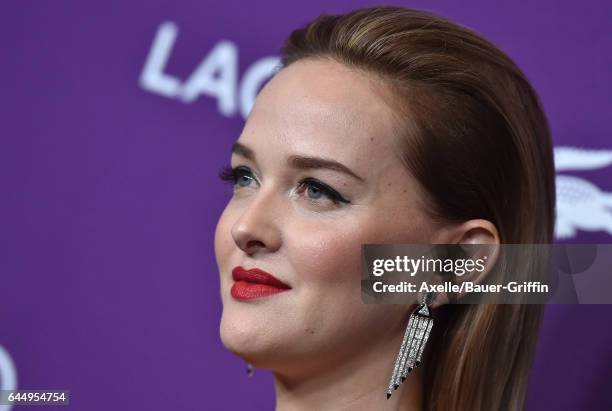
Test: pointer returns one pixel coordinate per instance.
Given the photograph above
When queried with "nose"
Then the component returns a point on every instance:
(258, 227)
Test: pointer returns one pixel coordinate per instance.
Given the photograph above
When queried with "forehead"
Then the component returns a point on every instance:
(323, 108)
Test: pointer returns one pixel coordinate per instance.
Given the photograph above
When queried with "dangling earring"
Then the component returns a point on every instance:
(415, 338)
(250, 370)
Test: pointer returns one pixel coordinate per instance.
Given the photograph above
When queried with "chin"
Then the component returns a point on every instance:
(244, 339)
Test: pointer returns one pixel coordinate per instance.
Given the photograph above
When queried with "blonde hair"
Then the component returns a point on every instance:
(470, 115)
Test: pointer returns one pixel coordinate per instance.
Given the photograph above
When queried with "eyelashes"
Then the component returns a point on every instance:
(232, 175)
(226, 174)
(317, 186)
(312, 187)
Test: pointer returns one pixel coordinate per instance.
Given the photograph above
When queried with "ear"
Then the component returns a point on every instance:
(470, 234)
(475, 232)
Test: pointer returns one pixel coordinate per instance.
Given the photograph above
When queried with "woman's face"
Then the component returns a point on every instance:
(281, 220)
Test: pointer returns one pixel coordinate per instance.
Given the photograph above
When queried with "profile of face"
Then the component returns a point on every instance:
(316, 175)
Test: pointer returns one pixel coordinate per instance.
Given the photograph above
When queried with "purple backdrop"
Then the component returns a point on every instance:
(109, 286)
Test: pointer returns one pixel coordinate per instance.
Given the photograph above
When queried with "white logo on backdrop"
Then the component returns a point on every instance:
(8, 375)
(581, 205)
(216, 76)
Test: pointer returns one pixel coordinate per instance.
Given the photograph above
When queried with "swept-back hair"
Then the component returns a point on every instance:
(473, 133)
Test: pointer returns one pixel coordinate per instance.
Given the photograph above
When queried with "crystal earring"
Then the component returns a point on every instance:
(415, 338)
(250, 370)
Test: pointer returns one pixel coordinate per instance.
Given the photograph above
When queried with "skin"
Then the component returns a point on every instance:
(327, 350)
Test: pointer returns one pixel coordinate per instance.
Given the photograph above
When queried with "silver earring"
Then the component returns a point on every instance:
(250, 370)
(415, 338)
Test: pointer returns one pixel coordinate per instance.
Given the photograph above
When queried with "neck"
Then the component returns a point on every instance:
(358, 383)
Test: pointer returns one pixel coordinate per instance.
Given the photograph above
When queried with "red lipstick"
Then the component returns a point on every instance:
(255, 283)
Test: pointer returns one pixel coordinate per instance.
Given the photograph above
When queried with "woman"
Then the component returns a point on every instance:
(384, 125)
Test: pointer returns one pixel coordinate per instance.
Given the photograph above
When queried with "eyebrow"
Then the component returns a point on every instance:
(300, 162)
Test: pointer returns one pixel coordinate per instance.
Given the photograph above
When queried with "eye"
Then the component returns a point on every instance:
(315, 190)
(239, 176)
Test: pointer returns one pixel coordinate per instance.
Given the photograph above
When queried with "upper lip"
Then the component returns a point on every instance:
(255, 275)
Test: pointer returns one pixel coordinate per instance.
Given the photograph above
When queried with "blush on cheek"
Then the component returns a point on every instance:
(330, 256)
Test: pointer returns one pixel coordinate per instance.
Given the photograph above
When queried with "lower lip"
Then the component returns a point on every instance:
(242, 290)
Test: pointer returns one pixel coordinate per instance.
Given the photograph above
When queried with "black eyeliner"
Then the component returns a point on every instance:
(327, 190)
(231, 174)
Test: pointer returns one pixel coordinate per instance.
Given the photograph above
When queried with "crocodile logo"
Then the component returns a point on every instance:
(581, 205)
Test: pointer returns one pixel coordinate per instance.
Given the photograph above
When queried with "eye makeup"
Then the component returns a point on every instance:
(234, 175)
(312, 187)
(315, 186)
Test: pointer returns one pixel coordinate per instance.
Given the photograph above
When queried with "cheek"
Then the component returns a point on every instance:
(327, 252)
(327, 262)
(330, 251)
